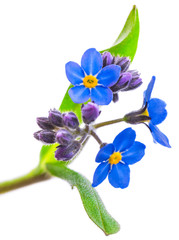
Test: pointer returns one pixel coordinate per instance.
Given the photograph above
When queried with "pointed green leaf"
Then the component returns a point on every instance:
(126, 43)
(89, 196)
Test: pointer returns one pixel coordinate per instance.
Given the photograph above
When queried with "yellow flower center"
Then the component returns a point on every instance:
(115, 158)
(90, 81)
(146, 113)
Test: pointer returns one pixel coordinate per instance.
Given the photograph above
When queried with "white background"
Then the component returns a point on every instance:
(37, 38)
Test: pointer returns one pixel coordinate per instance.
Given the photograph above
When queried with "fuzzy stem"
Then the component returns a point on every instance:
(92, 133)
(36, 175)
(102, 124)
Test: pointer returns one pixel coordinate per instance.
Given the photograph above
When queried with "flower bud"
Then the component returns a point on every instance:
(135, 82)
(107, 58)
(44, 123)
(70, 120)
(123, 62)
(64, 137)
(123, 82)
(46, 136)
(36, 135)
(65, 153)
(90, 112)
(55, 118)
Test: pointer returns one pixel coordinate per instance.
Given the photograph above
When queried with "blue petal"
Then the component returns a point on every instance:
(74, 72)
(100, 173)
(79, 94)
(105, 152)
(109, 75)
(91, 61)
(119, 176)
(159, 136)
(134, 153)
(147, 93)
(157, 111)
(124, 139)
(101, 95)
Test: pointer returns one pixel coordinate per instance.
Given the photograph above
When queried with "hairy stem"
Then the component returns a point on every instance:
(102, 124)
(36, 175)
(92, 133)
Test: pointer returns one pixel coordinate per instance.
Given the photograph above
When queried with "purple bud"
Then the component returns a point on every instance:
(44, 123)
(36, 135)
(45, 136)
(135, 82)
(123, 62)
(107, 58)
(65, 153)
(64, 137)
(123, 82)
(55, 118)
(90, 112)
(70, 120)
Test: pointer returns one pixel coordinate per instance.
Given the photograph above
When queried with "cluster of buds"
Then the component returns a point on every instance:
(128, 80)
(63, 128)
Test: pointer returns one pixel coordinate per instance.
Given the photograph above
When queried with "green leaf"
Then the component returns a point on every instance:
(68, 105)
(89, 196)
(126, 43)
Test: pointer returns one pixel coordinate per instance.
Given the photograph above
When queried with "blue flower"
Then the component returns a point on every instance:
(155, 109)
(116, 157)
(90, 80)
(153, 113)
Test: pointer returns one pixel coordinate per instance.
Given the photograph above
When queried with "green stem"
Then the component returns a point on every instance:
(102, 124)
(92, 133)
(39, 174)
(36, 175)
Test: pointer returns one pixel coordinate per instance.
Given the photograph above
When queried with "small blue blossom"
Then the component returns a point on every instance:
(155, 109)
(116, 157)
(91, 80)
(152, 113)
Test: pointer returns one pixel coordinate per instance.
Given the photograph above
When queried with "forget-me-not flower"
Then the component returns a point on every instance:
(152, 113)
(116, 157)
(91, 80)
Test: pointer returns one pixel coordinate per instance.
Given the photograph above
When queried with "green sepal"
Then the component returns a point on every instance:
(126, 43)
(89, 196)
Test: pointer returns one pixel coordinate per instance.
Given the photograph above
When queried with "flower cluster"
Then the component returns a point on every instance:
(63, 128)
(128, 80)
(98, 80)
(100, 77)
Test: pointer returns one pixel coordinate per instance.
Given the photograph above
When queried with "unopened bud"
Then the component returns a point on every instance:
(70, 120)
(46, 136)
(64, 137)
(107, 58)
(55, 118)
(44, 123)
(90, 112)
(123, 82)
(65, 153)
(123, 62)
(135, 82)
